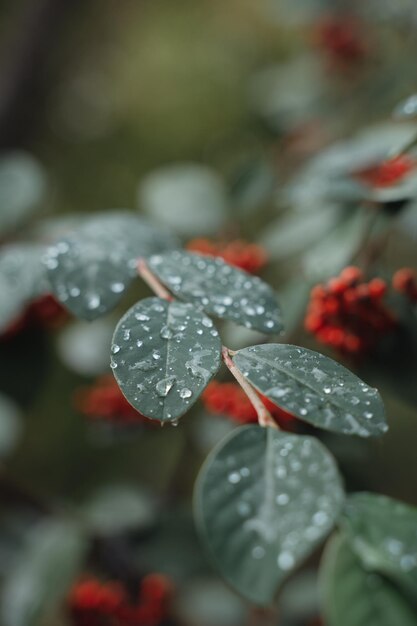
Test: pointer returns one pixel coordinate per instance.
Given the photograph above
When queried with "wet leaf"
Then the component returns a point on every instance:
(220, 289)
(315, 388)
(263, 500)
(163, 356)
(353, 596)
(90, 269)
(383, 534)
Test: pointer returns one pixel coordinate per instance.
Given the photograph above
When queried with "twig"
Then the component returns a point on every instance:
(264, 416)
(152, 281)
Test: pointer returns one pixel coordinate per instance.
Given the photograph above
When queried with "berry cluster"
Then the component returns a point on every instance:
(342, 39)
(349, 313)
(230, 400)
(93, 603)
(388, 172)
(246, 256)
(405, 281)
(104, 401)
(45, 312)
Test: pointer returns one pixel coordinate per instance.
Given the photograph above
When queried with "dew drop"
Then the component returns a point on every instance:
(185, 393)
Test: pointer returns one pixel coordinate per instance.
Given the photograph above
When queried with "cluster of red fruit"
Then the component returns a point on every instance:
(45, 312)
(349, 313)
(230, 400)
(405, 281)
(246, 256)
(388, 172)
(104, 401)
(342, 39)
(93, 603)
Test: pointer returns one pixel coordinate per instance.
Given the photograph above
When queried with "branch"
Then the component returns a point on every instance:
(264, 416)
(152, 281)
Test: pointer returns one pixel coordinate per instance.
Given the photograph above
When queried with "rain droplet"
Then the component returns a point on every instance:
(185, 393)
(164, 386)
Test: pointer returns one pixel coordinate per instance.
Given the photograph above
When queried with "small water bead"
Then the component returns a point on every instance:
(282, 499)
(258, 552)
(286, 560)
(126, 334)
(115, 348)
(139, 343)
(74, 292)
(141, 317)
(117, 287)
(245, 472)
(368, 415)
(327, 390)
(93, 302)
(164, 386)
(166, 332)
(185, 393)
(234, 478)
(156, 355)
(243, 509)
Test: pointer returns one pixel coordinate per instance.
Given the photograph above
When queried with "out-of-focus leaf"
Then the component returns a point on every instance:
(220, 289)
(22, 188)
(333, 253)
(22, 279)
(84, 346)
(297, 231)
(263, 500)
(10, 425)
(163, 356)
(40, 579)
(406, 109)
(353, 596)
(253, 185)
(313, 387)
(188, 197)
(383, 534)
(119, 508)
(90, 270)
(211, 603)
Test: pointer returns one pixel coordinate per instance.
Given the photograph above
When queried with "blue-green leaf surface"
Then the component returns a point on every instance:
(313, 387)
(220, 289)
(163, 356)
(263, 500)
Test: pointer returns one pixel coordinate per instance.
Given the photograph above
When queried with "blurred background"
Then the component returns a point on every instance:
(254, 130)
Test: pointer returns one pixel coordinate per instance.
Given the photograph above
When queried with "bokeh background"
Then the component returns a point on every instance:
(116, 101)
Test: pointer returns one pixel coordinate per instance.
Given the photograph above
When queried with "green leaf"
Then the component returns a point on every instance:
(117, 509)
(22, 279)
(336, 250)
(315, 388)
(22, 188)
(10, 425)
(263, 500)
(189, 198)
(41, 577)
(296, 231)
(219, 289)
(383, 534)
(163, 356)
(90, 270)
(352, 596)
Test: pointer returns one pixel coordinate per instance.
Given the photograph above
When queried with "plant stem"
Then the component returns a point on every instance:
(264, 416)
(152, 281)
